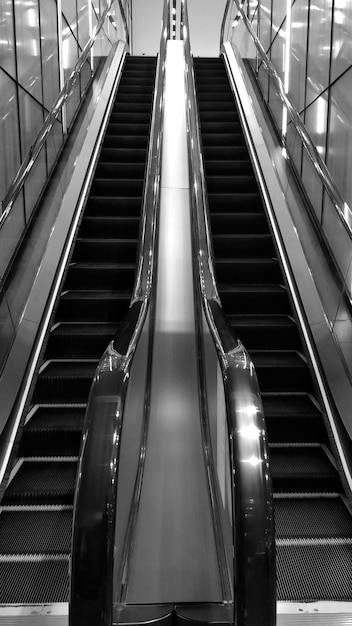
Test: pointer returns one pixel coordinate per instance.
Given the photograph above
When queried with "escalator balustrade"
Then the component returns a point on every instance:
(36, 515)
(313, 521)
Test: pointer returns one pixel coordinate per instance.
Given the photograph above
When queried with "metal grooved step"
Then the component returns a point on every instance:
(36, 513)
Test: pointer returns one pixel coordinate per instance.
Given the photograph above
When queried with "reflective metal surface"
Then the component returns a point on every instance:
(252, 506)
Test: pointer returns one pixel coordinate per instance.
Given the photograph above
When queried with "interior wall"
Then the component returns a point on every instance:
(205, 22)
(205, 17)
(146, 26)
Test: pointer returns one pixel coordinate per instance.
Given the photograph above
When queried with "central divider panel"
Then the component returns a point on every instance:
(174, 558)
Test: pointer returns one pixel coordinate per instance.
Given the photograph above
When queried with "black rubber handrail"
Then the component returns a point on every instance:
(92, 560)
(253, 516)
(35, 149)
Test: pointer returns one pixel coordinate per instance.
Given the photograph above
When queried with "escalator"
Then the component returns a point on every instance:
(313, 519)
(36, 510)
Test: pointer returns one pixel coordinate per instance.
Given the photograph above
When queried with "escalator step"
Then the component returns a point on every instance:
(247, 270)
(117, 227)
(116, 154)
(34, 582)
(126, 141)
(73, 341)
(318, 517)
(241, 223)
(135, 129)
(130, 117)
(293, 418)
(245, 246)
(99, 276)
(122, 107)
(137, 78)
(132, 90)
(250, 299)
(225, 153)
(212, 115)
(228, 167)
(281, 371)
(220, 127)
(55, 429)
(68, 379)
(129, 98)
(93, 306)
(228, 184)
(106, 169)
(214, 104)
(308, 573)
(39, 531)
(116, 251)
(42, 482)
(270, 332)
(223, 139)
(302, 468)
(111, 206)
(236, 202)
(117, 187)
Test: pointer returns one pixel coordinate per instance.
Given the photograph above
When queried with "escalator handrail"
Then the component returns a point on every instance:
(92, 555)
(36, 147)
(319, 165)
(253, 524)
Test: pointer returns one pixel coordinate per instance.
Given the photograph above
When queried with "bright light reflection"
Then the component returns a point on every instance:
(254, 461)
(287, 63)
(250, 432)
(251, 410)
(31, 18)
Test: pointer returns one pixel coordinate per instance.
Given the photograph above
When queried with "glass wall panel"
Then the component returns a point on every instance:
(28, 47)
(10, 233)
(312, 185)
(299, 28)
(319, 48)
(7, 330)
(277, 53)
(69, 49)
(86, 76)
(263, 81)
(338, 237)
(316, 121)
(341, 58)
(83, 9)
(294, 146)
(69, 10)
(50, 54)
(278, 16)
(35, 182)
(265, 23)
(10, 157)
(72, 103)
(7, 41)
(54, 143)
(339, 156)
(31, 120)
